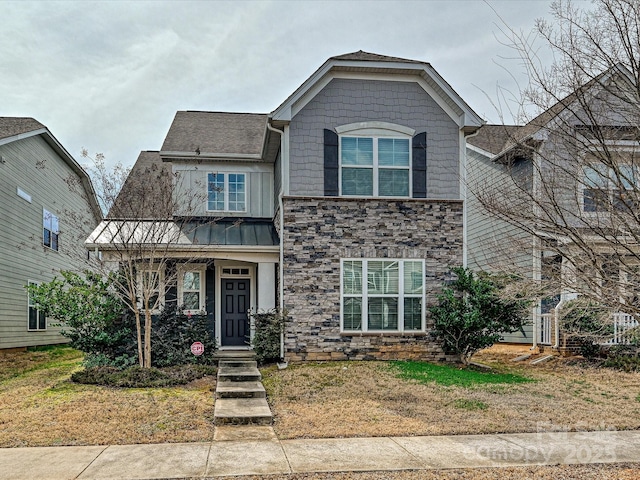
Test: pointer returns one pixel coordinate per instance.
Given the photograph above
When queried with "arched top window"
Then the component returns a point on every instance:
(375, 159)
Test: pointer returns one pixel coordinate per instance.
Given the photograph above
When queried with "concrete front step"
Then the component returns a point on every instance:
(239, 374)
(238, 363)
(242, 411)
(235, 354)
(240, 390)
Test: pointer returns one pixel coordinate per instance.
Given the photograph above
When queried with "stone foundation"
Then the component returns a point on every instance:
(319, 232)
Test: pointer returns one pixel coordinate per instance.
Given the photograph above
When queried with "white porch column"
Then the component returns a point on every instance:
(266, 286)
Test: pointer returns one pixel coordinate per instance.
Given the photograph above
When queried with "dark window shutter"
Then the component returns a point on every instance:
(331, 163)
(419, 165)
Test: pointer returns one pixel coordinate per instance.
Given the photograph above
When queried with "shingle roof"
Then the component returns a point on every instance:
(544, 118)
(493, 138)
(373, 57)
(216, 133)
(11, 126)
(147, 192)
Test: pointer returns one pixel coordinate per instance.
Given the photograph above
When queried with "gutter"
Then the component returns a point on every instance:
(280, 232)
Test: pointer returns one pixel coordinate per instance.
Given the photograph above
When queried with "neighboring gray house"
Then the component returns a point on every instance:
(565, 185)
(47, 208)
(344, 206)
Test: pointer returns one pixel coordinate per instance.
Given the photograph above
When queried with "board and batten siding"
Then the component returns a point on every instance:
(494, 245)
(31, 165)
(191, 186)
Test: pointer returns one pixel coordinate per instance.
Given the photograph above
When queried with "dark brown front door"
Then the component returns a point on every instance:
(235, 303)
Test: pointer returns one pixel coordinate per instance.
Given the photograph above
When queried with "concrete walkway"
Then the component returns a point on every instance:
(256, 451)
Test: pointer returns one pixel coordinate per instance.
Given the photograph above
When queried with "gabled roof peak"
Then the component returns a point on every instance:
(361, 55)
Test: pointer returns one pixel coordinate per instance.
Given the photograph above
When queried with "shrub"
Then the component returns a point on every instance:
(172, 335)
(99, 325)
(137, 377)
(90, 314)
(624, 357)
(269, 326)
(471, 314)
(586, 323)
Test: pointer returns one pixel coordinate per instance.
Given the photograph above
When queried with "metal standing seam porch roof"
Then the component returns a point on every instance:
(231, 232)
(228, 232)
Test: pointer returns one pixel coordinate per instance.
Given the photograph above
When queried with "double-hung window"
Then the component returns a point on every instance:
(37, 320)
(607, 189)
(226, 192)
(50, 230)
(382, 295)
(191, 288)
(375, 166)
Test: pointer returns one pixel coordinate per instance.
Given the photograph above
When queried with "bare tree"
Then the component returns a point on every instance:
(150, 219)
(565, 185)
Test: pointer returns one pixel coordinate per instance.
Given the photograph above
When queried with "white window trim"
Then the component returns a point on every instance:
(400, 296)
(46, 212)
(161, 287)
(226, 190)
(220, 276)
(200, 268)
(24, 195)
(29, 306)
(375, 130)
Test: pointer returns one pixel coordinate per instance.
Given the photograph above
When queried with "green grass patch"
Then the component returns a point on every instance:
(466, 404)
(39, 359)
(453, 375)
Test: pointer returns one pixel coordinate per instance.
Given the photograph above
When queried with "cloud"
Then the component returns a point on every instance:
(109, 76)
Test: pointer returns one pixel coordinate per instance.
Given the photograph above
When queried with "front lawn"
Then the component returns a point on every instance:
(39, 406)
(353, 399)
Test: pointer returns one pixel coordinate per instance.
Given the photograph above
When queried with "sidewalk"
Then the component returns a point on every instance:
(227, 455)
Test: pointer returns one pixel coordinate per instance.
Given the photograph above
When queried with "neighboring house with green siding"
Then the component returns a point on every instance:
(47, 208)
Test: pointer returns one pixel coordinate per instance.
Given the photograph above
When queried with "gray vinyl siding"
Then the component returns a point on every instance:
(494, 245)
(491, 242)
(345, 101)
(192, 185)
(33, 166)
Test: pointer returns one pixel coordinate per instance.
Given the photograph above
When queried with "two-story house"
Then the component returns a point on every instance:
(554, 202)
(344, 207)
(47, 208)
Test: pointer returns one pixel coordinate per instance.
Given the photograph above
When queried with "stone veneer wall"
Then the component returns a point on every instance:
(320, 231)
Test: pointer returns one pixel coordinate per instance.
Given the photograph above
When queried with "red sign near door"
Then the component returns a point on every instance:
(197, 348)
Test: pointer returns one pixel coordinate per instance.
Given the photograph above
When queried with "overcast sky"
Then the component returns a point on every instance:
(109, 76)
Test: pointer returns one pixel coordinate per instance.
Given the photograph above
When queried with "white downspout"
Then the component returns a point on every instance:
(280, 233)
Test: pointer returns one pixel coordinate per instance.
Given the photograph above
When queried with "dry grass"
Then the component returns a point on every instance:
(359, 399)
(560, 472)
(40, 406)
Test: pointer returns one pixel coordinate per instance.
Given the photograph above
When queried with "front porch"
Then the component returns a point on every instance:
(219, 268)
(548, 331)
